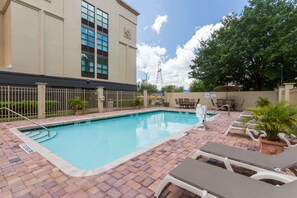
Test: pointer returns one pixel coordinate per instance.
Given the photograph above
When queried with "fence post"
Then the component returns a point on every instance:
(41, 99)
(117, 99)
(100, 98)
(288, 86)
(145, 98)
(8, 100)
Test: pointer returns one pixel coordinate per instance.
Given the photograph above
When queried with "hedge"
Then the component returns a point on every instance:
(28, 106)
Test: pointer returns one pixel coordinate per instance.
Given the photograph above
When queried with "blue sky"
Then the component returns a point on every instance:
(179, 25)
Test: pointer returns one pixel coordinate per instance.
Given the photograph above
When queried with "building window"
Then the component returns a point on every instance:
(87, 14)
(102, 44)
(87, 65)
(102, 21)
(102, 67)
(87, 40)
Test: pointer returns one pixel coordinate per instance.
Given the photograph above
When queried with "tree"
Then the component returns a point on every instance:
(251, 49)
(149, 87)
(199, 86)
(172, 88)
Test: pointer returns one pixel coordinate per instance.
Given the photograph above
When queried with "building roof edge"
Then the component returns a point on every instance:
(125, 5)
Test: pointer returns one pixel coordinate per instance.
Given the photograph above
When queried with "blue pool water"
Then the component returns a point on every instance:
(93, 144)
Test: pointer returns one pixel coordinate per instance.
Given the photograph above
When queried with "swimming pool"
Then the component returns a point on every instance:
(95, 143)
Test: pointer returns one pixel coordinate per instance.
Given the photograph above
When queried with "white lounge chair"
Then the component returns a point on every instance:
(285, 138)
(210, 181)
(261, 164)
(249, 129)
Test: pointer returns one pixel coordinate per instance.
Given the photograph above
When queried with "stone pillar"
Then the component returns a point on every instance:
(100, 99)
(288, 86)
(41, 99)
(145, 98)
(280, 91)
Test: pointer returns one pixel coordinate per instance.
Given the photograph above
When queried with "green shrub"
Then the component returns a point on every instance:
(262, 102)
(51, 106)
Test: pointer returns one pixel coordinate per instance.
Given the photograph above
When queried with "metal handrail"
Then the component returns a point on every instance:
(48, 132)
(226, 105)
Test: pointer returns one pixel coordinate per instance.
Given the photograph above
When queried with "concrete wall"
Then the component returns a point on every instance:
(249, 97)
(293, 96)
(1, 40)
(44, 37)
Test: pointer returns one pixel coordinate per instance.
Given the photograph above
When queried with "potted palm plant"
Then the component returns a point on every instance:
(77, 104)
(137, 102)
(274, 119)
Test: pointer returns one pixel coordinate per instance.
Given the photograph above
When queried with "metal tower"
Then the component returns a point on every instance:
(159, 78)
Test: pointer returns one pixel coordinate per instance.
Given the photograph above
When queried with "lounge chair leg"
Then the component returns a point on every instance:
(162, 185)
(197, 154)
(204, 194)
(228, 130)
(227, 164)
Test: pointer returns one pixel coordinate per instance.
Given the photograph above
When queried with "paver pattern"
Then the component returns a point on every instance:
(33, 176)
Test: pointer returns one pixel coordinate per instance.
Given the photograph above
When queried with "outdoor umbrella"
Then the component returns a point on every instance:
(226, 88)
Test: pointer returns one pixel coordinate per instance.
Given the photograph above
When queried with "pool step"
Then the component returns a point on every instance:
(46, 138)
(41, 136)
(33, 134)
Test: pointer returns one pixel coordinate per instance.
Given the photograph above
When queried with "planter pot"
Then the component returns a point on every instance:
(271, 147)
(78, 112)
(166, 104)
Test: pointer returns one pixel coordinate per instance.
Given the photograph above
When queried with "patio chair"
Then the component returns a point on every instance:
(186, 102)
(192, 103)
(176, 101)
(181, 102)
(209, 181)
(260, 163)
(212, 102)
(220, 102)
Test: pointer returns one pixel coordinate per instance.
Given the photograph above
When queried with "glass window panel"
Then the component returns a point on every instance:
(83, 68)
(84, 4)
(83, 62)
(84, 30)
(91, 44)
(91, 69)
(92, 14)
(91, 64)
(90, 7)
(83, 42)
(83, 36)
(84, 10)
(104, 20)
(99, 42)
(99, 12)
(105, 26)
(104, 15)
(99, 36)
(105, 44)
(90, 38)
(99, 66)
(104, 66)
(84, 16)
(105, 49)
(99, 47)
(104, 71)
(91, 33)
(104, 61)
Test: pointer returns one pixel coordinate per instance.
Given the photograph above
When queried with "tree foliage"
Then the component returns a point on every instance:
(200, 86)
(252, 48)
(149, 87)
(172, 88)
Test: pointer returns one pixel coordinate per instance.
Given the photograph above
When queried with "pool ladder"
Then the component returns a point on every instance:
(30, 133)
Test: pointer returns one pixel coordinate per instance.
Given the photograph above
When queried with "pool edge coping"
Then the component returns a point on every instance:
(73, 171)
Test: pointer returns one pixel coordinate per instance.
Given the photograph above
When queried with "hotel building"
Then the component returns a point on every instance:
(68, 43)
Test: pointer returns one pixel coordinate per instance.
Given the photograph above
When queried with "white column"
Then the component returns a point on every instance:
(100, 97)
(288, 86)
(145, 98)
(41, 99)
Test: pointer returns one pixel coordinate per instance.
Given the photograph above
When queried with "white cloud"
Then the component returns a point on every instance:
(146, 27)
(159, 22)
(175, 70)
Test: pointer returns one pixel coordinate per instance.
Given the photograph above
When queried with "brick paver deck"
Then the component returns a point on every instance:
(33, 176)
